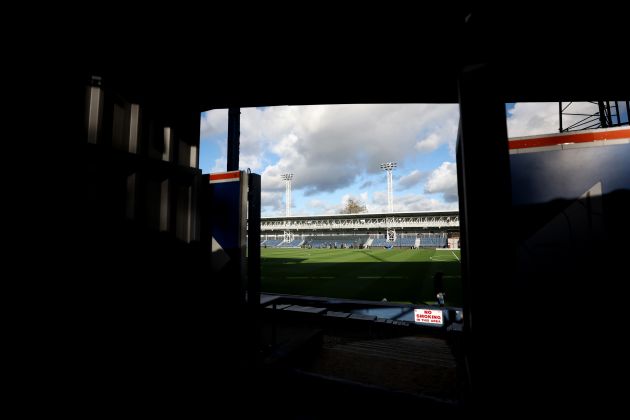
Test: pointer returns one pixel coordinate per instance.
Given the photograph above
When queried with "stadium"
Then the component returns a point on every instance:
(392, 256)
(366, 256)
(436, 229)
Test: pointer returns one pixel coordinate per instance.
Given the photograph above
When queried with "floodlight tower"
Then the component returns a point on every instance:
(287, 179)
(389, 167)
(288, 235)
(391, 232)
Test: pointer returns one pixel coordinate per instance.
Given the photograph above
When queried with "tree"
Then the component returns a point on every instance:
(354, 205)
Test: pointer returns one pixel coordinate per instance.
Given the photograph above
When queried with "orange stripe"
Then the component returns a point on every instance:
(225, 175)
(569, 138)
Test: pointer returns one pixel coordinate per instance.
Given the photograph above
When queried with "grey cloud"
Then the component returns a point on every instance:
(334, 144)
(410, 180)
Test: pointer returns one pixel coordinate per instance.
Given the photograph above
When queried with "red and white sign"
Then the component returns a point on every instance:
(219, 177)
(428, 316)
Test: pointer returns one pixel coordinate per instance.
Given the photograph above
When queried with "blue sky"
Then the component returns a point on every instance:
(335, 151)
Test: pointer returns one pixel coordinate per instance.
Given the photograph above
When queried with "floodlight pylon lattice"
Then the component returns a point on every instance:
(288, 235)
(287, 200)
(389, 167)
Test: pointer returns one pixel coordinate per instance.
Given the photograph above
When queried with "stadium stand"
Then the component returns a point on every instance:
(272, 243)
(296, 243)
(415, 229)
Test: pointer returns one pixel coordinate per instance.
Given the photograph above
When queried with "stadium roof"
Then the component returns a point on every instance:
(369, 215)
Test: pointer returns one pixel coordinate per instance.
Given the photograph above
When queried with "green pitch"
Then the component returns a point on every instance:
(399, 275)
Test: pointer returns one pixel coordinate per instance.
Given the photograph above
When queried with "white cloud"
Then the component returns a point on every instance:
(220, 165)
(328, 147)
(533, 118)
(428, 144)
(419, 202)
(252, 162)
(273, 200)
(411, 179)
(317, 207)
(408, 203)
(443, 180)
(318, 204)
(379, 200)
(213, 123)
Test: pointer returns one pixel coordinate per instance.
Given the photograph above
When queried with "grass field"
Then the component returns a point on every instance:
(399, 275)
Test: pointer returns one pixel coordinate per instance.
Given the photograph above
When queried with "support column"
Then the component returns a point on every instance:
(234, 133)
(485, 204)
